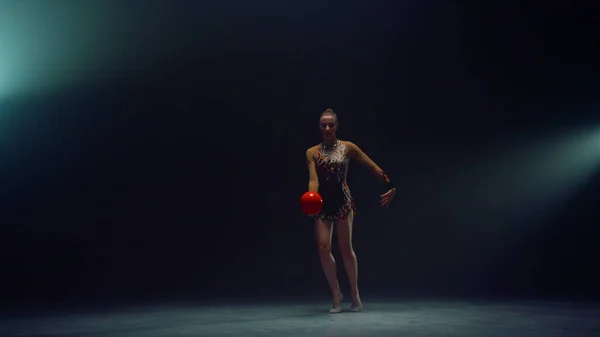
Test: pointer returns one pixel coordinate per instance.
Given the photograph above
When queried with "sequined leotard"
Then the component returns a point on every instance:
(332, 169)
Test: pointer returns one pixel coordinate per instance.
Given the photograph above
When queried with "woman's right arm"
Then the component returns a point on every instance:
(313, 180)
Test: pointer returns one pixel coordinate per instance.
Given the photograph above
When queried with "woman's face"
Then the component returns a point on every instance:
(328, 127)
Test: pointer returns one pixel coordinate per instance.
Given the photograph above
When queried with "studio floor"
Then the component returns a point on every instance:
(249, 318)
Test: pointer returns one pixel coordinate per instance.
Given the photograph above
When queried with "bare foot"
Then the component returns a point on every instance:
(357, 305)
(337, 304)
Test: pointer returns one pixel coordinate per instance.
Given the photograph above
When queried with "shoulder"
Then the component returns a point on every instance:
(312, 151)
(349, 145)
(352, 150)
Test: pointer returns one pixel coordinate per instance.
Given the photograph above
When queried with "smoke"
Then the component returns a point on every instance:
(523, 182)
(46, 45)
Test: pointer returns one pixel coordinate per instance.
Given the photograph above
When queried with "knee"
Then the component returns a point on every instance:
(347, 251)
(324, 248)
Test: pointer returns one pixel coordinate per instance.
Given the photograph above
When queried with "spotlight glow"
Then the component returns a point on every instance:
(45, 45)
(524, 181)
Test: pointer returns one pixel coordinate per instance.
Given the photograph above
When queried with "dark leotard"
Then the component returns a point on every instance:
(332, 169)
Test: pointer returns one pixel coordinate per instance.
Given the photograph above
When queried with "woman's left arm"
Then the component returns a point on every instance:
(357, 154)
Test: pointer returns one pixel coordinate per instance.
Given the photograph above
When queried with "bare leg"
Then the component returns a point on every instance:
(344, 233)
(323, 233)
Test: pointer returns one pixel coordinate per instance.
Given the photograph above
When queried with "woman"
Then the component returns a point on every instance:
(328, 167)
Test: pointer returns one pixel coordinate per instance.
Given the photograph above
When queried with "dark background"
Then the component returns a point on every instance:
(182, 178)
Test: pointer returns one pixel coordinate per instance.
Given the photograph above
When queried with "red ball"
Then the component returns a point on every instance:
(311, 203)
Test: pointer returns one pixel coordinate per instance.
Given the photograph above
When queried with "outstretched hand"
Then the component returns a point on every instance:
(387, 198)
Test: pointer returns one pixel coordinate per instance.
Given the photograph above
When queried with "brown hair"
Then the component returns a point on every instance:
(330, 112)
